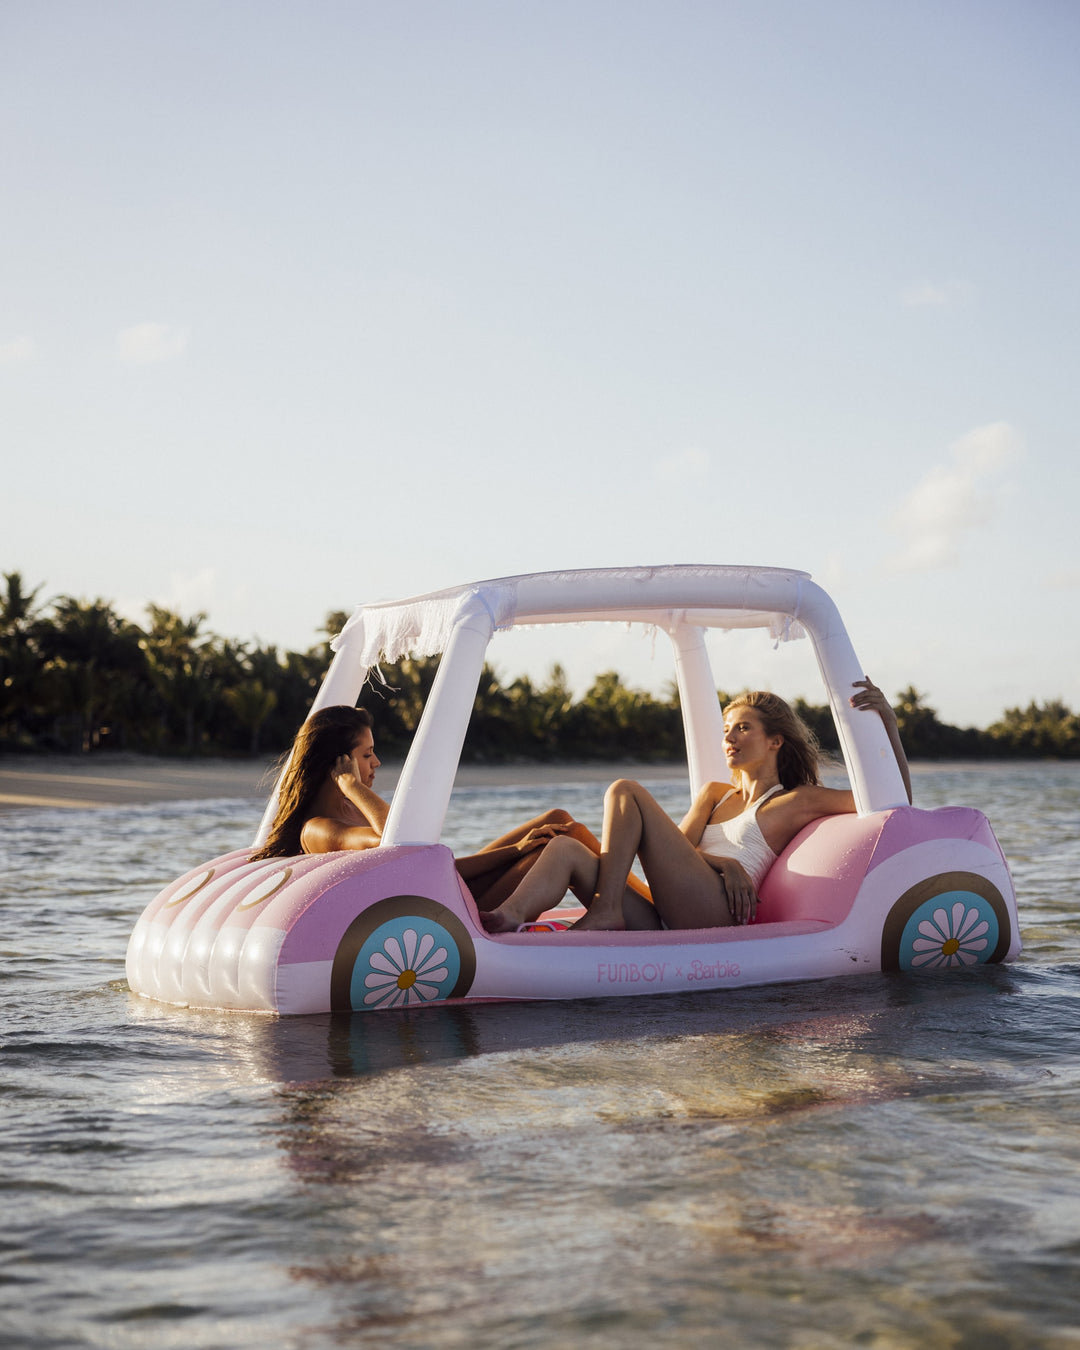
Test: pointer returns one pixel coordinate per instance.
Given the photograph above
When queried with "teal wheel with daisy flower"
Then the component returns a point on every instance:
(947, 922)
(402, 952)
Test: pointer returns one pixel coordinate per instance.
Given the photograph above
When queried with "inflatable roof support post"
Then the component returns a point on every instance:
(423, 790)
(875, 776)
(702, 717)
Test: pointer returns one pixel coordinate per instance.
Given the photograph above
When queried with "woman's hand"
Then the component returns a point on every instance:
(742, 899)
(871, 699)
(538, 836)
(357, 821)
(345, 775)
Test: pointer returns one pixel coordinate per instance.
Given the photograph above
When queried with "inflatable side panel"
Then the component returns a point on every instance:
(395, 926)
(421, 886)
(225, 932)
(197, 888)
(958, 907)
(214, 937)
(942, 903)
(548, 966)
(821, 872)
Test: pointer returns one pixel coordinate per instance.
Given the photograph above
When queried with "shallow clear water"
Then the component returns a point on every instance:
(884, 1161)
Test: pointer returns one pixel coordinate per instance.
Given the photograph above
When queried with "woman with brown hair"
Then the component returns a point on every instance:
(327, 802)
(704, 872)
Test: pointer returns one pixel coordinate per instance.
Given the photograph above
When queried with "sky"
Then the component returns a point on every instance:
(309, 304)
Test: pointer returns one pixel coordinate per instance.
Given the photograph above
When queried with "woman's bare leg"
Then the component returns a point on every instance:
(563, 864)
(490, 889)
(491, 886)
(582, 832)
(686, 891)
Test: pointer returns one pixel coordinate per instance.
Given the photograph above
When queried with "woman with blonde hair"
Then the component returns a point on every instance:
(704, 872)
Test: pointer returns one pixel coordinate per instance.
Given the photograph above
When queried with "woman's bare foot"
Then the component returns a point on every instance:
(563, 864)
(501, 920)
(600, 920)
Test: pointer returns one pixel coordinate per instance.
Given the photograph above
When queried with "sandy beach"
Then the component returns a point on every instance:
(128, 780)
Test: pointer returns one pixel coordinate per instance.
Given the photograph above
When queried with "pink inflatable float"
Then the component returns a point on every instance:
(890, 888)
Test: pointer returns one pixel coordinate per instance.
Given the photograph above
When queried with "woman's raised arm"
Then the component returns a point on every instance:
(328, 834)
(871, 699)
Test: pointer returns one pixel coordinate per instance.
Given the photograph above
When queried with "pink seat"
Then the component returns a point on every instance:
(819, 874)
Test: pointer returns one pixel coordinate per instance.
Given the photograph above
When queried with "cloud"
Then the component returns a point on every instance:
(953, 499)
(22, 348)
(1068, 579)
(191, 592)
(937, 294)
(693, 462)
(832, 571)
(147, 343)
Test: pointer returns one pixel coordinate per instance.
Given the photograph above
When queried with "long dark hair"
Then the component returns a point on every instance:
(797, 758)
(323, 737)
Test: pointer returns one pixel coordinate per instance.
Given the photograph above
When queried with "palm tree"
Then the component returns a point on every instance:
(1050, 728)
(253, 679)
(92, 664)
(180, 659)
(20, 660)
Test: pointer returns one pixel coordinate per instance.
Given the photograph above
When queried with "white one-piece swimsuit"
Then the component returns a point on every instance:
(741, 838)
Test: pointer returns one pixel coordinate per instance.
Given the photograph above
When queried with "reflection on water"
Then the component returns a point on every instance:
(617, 1161)
(881, 1160)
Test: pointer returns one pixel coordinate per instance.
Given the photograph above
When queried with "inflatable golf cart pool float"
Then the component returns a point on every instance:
(890, 887)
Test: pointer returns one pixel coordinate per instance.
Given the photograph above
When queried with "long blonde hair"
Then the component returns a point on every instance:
(797, 758)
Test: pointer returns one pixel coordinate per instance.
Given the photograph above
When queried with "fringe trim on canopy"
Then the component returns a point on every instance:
(387, 631)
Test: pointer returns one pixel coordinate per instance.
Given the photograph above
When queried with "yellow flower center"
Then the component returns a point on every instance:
(406, 979)
(950, 948)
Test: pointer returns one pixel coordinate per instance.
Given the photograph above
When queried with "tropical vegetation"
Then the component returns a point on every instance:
(77, 677)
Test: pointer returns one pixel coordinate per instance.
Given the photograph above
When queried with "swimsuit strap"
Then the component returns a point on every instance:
(777, 787)
(729, 793)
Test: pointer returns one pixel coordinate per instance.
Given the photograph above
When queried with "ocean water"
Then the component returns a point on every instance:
(883, 1161)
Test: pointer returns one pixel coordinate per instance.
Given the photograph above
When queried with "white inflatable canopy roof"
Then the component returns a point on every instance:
(702, 596)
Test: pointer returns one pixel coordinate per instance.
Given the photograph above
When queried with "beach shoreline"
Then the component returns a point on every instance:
(85, 783)
(72, 782)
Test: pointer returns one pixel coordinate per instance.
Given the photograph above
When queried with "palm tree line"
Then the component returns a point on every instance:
(76, 677)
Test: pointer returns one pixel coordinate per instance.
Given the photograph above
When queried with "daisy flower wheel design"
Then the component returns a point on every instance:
(946, 922)
(409, 970)
(951, 938)
(405, 951)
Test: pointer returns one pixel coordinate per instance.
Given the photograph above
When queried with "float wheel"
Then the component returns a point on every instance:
(947, 922)
(402, 952)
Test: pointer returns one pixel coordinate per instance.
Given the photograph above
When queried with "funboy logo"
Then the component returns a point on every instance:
(653, 972)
